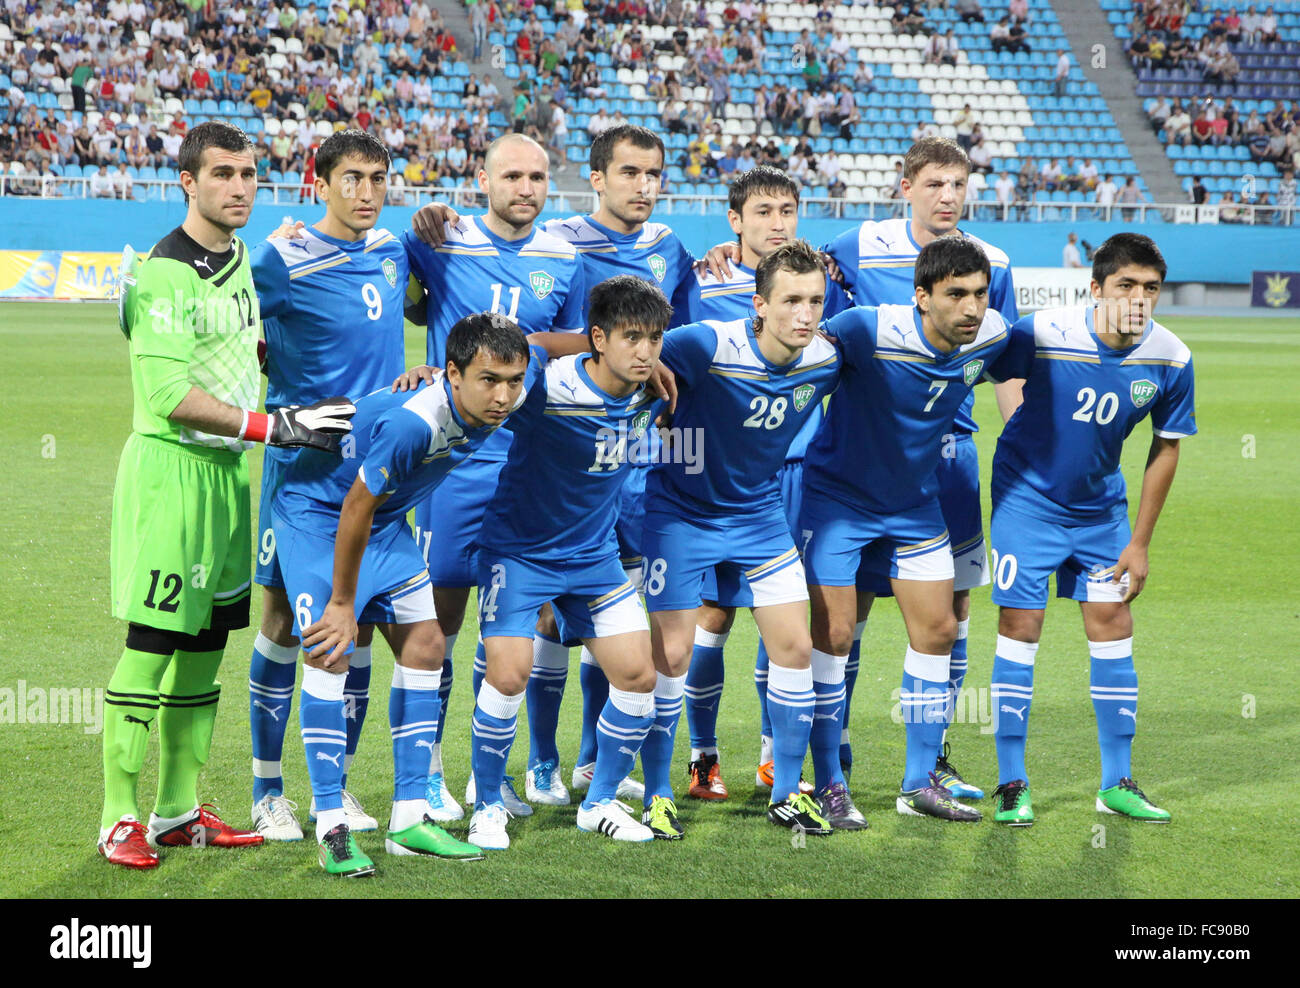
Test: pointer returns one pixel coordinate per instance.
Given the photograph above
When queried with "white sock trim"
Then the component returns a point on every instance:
(327, 820)
(633, 704)
(360, 657)
(963, 629)
(827, 668)
(931, 668)
(789, 680)
(1121, 649)
(407, 678)
(407, 813)
(451, 644)
(587, 658)
(266, 770)
(549, 654)
(858, 629)
(323, 685)
(708, 639)
(497, 704)
(282, 654)
(1021, 653)
(666, 687)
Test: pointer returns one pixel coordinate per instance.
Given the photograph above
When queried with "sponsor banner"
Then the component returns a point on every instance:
(1047, 288)
(56, 274)
(1275, 289)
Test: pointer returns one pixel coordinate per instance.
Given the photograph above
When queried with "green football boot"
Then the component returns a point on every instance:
(1126, 799)
(339, 854)
(661, 817)
(1014, 808)
(428, 839)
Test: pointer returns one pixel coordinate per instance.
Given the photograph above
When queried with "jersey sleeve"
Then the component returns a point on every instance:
(162, 325)
(570, 319)
(837, 300)
(1002, 294)
(685, 295)
(844, 250)
(687, 352)
(400, 442)
(532, 405)
(1018, 357)
(854, 332)
(1174, 416)
(420, 257)
(271, 279)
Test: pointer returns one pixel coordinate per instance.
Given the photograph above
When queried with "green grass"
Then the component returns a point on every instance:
(1218, 622)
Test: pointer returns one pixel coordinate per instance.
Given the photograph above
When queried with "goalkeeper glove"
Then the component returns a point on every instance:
(318, 426)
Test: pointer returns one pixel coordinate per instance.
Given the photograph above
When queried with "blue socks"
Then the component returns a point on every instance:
(324, 736)
(828, 686)
(791, 704)
(704, 681)
(1012, 694)
(657, 751)
(413, 706)
(356, 700)
(444, 690)
(956, 671)
(480, 666)
(850, 678)
(764, 719)
(492, 732)
(924, 697)
(270, 700)
(621, 730)
(545, 691)
(1114, 684)
(595, 691)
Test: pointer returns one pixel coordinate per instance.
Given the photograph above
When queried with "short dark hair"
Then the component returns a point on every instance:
(210, 134)
(602, 148)
(953, 256)
(797, 257)
(760, 179)
(1126, 248)
(494, 334)
(627, 302)
(933, 151)
(339, 145)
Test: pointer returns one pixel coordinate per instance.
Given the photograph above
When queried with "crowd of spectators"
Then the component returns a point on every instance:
(1159, 38)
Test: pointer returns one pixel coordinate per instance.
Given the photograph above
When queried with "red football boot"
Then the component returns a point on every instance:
(125, 844)
(202, 829)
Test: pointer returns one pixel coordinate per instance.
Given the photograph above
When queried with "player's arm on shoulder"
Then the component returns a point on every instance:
(560, 344)
(1012, 366)
(270, 280)
(719, 259)
(1162, 463)
(430, 222)
(853, 334)
(329, 638)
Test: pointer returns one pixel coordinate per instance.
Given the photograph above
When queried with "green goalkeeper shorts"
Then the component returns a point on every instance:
(181, 554)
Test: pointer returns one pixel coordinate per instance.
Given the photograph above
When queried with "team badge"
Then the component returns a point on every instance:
(1276, 294)
(639, 424)
(802, 395)
(972, 371)
(390, 271)
(541, 283)
(1142, 392)
(658, 267)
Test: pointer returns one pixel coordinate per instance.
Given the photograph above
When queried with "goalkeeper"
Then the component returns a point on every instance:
(181, 536)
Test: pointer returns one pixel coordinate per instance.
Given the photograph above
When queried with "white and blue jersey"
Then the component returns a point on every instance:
(715, 497)
(869, 473)
(332, 316)
(548, 534)
(1059, 498)
(538, 282)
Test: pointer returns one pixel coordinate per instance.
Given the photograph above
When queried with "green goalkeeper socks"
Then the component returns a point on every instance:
(188, 697)
(130, 705)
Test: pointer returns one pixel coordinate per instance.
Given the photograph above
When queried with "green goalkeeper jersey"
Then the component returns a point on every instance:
(192, 318)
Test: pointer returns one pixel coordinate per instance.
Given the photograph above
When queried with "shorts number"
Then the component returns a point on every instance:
(302, 609)
(267, 552)
(374, 301)
(514, 299)
(487, 605)
(765, 416)
(656, 577)
(423, 537)
(171, 584)
(938, 387)
(1004, 570)
(1106, 408)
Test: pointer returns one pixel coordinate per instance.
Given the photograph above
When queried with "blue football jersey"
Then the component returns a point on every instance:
(653, 253)
(558, 494)
(883, 434)
(332, 315)
(401, 444)
(736, 416)
(536, 281)
(879, 264)
(1082, 399)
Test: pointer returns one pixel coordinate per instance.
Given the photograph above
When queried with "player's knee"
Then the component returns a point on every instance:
(277, 617)
(714, 619)
(1020, 625)
(641, 679)
(793, 647)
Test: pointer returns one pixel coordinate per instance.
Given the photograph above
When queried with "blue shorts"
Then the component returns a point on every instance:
(958, 474)
(737, 592)
(590, 599)
(756, 548)
(447, 524)
(392, 588)
(275, 463)
(835, 535)
(1027, 549)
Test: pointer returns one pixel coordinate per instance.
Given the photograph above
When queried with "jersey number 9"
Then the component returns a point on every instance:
(374, 301)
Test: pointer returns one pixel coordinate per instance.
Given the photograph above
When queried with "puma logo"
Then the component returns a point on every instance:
(804, 718)
(333, 759)
(137, 720)
(500, 753)
(203, 264)
(624, 750)
(707, 706)
(1012, 710)
(834, 716)
(552, 689)
(736, 346)
(425, 744)
(1129, 713)
(270, 710)
(569, 388)
(660, 727)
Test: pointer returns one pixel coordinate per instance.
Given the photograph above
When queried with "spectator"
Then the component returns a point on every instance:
(1070, 256)
(896, 192)
(102, 185)
(1004, 190)
(981, 157)
(970, 11)
(1286, 196)
(1229, 210)
(935, 49)
(123, 183)
(1250, 25)
(828, 166)
(1062, 73)
(1049, 178)
(964, 123)
(1107, 191)
(1179, 125)
(1159, 113)
(1129, 196)
(1198, 192)
(1019, 11)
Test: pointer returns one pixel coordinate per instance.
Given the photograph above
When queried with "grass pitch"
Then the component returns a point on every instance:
(1216, 654)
